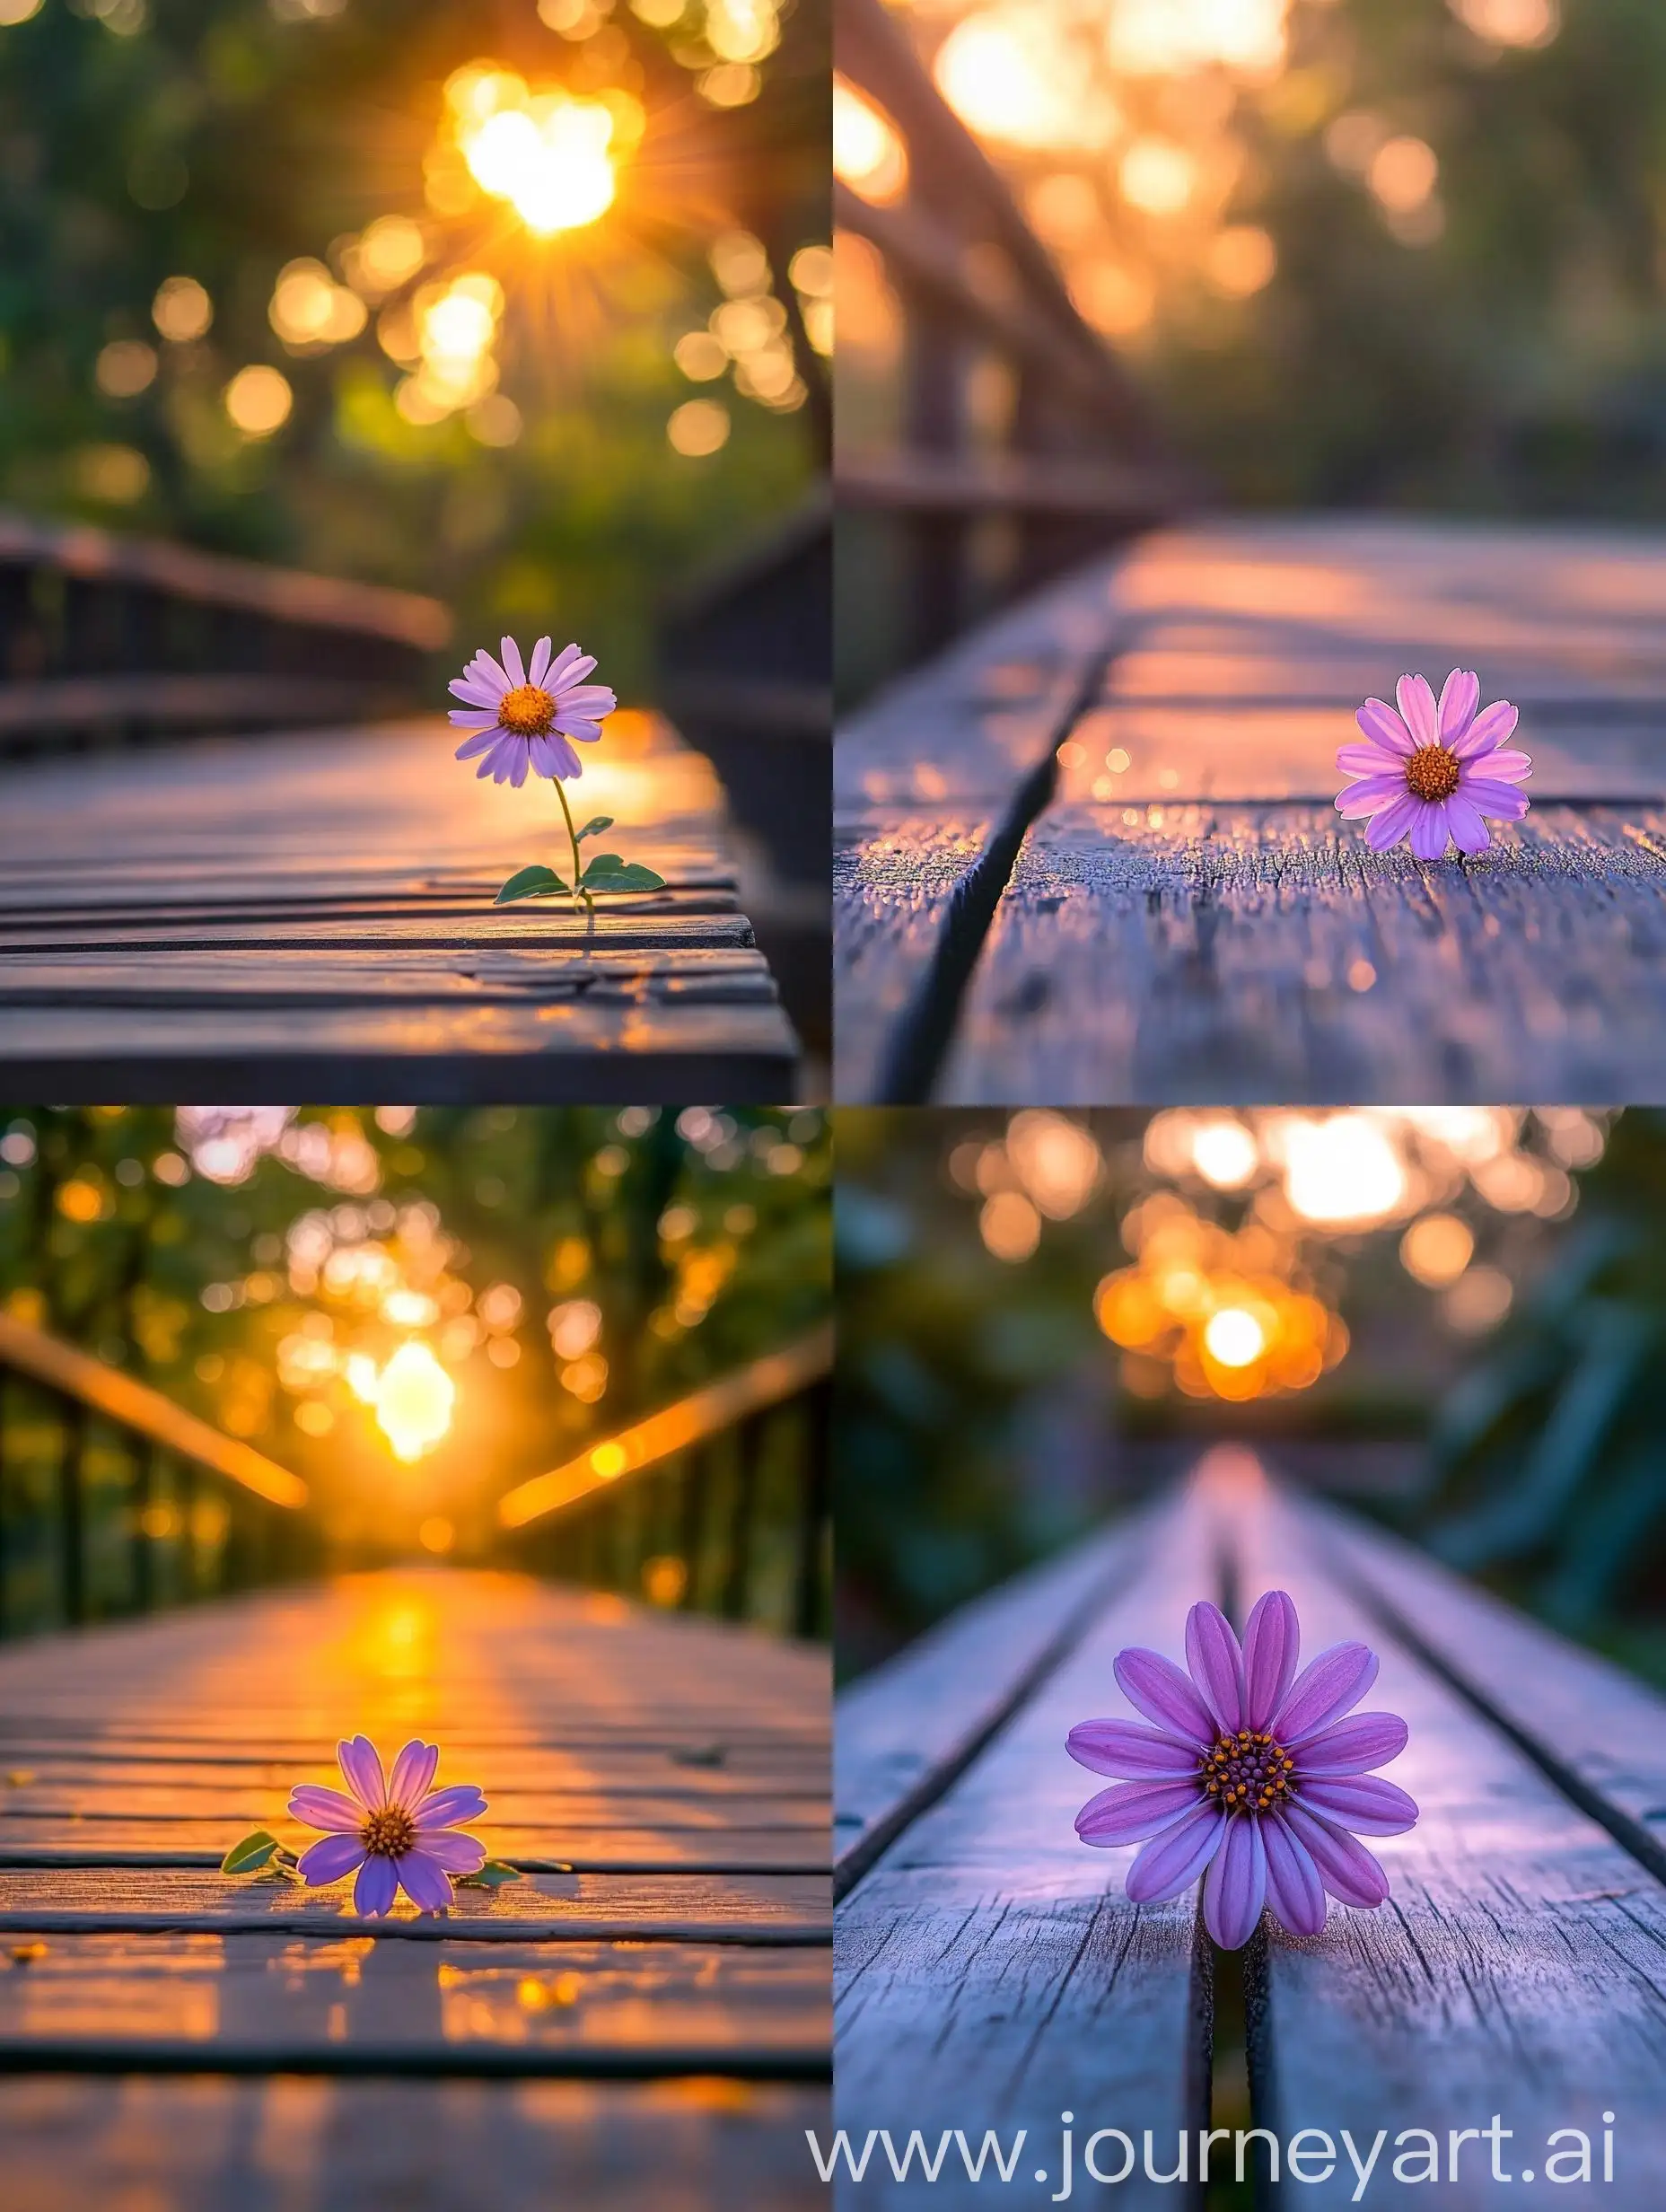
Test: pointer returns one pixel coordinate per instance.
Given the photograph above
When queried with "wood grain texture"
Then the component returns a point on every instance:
(1225, 950)
(1189, 917)
(316, 910)
(663, 1961)
(296, 2145)
(989, 1971)
(1518, 1967)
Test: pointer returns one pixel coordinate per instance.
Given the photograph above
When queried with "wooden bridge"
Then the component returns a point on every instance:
(991, 1974)
(1087, 853)
(298, 902)
(645, 2009)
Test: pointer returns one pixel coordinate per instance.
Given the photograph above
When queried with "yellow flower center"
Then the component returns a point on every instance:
(389, 1833)
(527, 711)
(1246, 1772)
(1431, 773)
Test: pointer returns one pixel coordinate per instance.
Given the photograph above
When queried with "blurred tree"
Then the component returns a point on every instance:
(226, 226)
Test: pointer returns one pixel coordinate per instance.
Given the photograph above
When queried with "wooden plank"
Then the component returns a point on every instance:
(425, 2147)
(1188, 916)
(1601, 1730)
(1213, 950)
(990, 1974)
(273, 2003)
(315, 913)
(909, 1728)
(1519, 1967)
(613, 1845)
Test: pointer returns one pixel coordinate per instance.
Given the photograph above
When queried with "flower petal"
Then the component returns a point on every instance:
(512, 661)
(1380, 721)
(1216, 1665)
(1156, 1686)
(1504, 767)
(552, 756)
(474, 693)
(1429, 833)
(376, 1888)
(579, 727)
(1390, 826)
(413, 1772)
(1416, 703)
(1460, 695)
(484, 671)
(573, 673)
(1326, 1688)
(1490, 727)
(363, 1770)
(1234, 1889)
(1122, 1747)
(1272, 1644)
(1470, 834)
(424, 1881)
(1501, 800)
(1346, 1867)
(325, 1808)
(461, 1802)
(558, 672)
(1172, 1861)
(1132, 1811)
(1369, 761)
(482, 741)
(472, 718)
(1354, 1746)
(592, 700)
(457, 1853)
(538, 667)
(1370, 794)
(1294, 1888)
(330, 1858)
(1364, 1803)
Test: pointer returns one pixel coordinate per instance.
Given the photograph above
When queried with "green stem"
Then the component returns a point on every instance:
(573, 840)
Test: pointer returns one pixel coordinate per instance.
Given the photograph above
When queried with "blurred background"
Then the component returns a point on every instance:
(1451, 1318)
(241, 1343)
(1362, 253)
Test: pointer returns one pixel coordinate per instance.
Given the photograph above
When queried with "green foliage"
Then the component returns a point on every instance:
(1551, 1474)
(533, 883)
(250, 1854)
(1516, 361)
(221, 139)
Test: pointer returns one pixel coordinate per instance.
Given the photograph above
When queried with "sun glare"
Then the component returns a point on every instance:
(415, 1400)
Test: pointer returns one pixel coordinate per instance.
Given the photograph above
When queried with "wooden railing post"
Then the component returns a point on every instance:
(71, 1475)
(814, 1508)
(140, 1496)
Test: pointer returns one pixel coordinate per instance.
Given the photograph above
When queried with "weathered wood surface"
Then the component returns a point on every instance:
(662, 1962)
(287, 915)
(990, 1974)
(1188, 915)
(1518, 1967)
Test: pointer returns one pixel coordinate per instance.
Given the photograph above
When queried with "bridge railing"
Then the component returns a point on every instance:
(109, 639)
(979, 498)
(115, 1500)
(717, 1503)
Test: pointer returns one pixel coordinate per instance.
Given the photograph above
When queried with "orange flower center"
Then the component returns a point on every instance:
(1247, 1773)
(1431, 773)
(527, 711)
(389, 1833)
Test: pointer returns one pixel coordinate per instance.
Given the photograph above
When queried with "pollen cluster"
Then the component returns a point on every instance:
(1246, 1772)
(1431, 772)
(389, 1833)
(527, 711)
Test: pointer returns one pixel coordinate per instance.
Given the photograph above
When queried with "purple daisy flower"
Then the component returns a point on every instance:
(522, 717)
(398, 1833)
(1250, 1777)
(1435, 772)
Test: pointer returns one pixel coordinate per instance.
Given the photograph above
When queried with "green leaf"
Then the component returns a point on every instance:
(596, 822)
(252, 1853)
(610, 872)
(491, 1877)
(534, 883)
